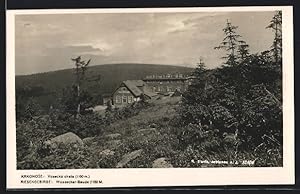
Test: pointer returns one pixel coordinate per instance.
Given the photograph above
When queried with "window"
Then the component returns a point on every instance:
(130, 99)
(124, 99)
(118, 99)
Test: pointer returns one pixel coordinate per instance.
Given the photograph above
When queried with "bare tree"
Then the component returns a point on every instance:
(81, 67)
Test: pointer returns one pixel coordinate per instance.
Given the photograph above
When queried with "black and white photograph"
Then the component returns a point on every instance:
(150, 90)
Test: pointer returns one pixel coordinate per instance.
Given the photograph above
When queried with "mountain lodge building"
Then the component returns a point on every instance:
(167, 83)
(131, 91)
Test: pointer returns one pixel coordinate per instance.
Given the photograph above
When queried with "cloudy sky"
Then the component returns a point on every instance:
(47, 42)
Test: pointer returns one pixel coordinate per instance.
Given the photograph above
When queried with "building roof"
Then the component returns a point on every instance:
(133, 85)
(166, 79)
(138, 87)
(149, 93)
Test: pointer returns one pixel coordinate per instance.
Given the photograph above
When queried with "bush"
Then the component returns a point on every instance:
(63, 157)
(33, 133)
(125, 112)
(234, 104)
(155, 144)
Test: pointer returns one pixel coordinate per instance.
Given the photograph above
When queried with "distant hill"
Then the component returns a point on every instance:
(111, 76)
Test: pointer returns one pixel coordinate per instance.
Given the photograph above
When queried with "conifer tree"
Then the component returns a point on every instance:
(199, 71)
(32, 108)
(232, 44)
(243, 50)
(276, 26)
(196, 89)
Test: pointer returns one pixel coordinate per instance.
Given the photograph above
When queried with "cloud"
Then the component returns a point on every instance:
(47, 42)
(84, 49)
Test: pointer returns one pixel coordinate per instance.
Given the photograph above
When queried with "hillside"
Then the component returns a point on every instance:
(148, 132)
(110, 75)
(135, 141)
(144, 139)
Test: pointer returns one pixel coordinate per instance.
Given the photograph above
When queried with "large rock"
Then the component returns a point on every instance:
(161, 163)
(129, 157)
(65, 139)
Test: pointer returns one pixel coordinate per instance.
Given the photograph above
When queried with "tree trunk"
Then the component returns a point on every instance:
(78, 96)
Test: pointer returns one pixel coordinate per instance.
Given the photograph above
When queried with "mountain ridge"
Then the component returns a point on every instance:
(52, 83)
(108, 64)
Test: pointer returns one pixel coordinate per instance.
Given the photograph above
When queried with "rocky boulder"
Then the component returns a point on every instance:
(65, 139)
(129, 157)
(161, 163)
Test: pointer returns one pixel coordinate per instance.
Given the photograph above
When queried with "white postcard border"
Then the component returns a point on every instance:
(162, 177)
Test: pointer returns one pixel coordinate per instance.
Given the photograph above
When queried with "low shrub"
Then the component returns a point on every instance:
(63, 157)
